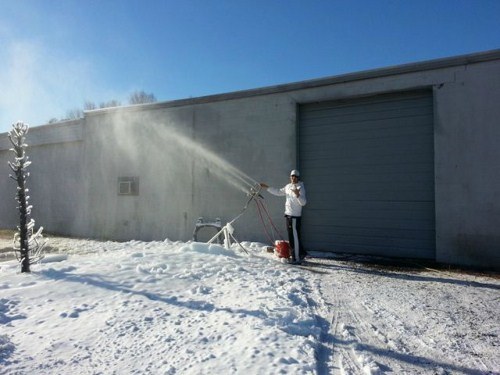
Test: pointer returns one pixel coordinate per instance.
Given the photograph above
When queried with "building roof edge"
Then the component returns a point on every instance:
(440, 63)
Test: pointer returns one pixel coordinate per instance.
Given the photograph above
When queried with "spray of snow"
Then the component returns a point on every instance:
(169, 140)
(222, 168)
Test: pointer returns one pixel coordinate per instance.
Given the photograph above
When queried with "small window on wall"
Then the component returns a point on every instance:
(128, 185)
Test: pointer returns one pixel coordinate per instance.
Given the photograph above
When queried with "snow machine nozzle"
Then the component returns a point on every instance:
(254, 191)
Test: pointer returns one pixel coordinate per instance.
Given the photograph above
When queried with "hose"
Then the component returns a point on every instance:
(262, 208)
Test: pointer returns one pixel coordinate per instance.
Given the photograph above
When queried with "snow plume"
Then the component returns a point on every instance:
(40, 83)
(222, 168)
(169, 139)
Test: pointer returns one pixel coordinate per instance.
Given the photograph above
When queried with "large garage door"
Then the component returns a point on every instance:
(368, 166)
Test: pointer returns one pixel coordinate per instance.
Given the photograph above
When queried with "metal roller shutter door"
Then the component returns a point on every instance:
(368, 166)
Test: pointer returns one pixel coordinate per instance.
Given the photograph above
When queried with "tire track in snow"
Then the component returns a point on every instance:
(349, 335)
(362, 344)
(408, 323)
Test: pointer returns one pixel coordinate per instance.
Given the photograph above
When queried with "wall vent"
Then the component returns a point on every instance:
(128, 185)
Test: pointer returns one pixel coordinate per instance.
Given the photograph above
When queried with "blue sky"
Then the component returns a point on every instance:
(55, 55)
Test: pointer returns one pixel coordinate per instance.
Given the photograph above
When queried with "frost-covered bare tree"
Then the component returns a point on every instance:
(89, 105)
(74, 114)
(110, 104)
(140, 97)
(27, 243)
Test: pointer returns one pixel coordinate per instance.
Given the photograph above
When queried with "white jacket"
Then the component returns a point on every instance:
(293, 204)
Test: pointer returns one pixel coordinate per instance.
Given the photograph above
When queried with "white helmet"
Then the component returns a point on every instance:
(295, 173)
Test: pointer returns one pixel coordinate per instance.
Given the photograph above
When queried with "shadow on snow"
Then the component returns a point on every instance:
(410, 275)
(193, 305)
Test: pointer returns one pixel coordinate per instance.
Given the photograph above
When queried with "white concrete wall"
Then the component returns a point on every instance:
(467, 164)
(255, 130)
(168, 149)
(9, 216)
(54, 181)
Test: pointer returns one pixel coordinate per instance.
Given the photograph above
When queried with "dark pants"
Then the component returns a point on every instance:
(293, 228)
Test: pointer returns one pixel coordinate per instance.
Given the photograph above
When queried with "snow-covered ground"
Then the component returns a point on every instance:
(190, 308)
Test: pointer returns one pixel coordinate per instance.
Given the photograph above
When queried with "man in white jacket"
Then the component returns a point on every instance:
(295, 194)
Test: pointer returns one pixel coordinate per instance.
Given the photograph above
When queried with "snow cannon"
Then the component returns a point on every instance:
(282, 249)
(254, 192)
